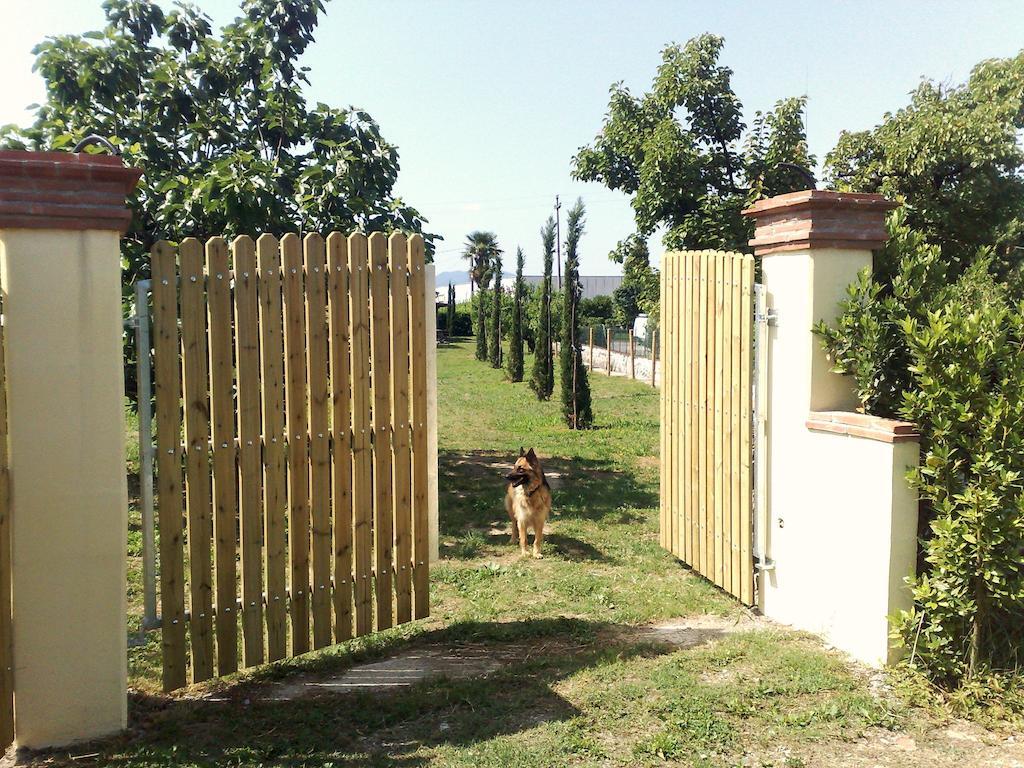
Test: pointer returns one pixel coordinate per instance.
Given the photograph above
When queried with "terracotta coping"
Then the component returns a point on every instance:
(819, 218)
(862, 425)
(64, 190)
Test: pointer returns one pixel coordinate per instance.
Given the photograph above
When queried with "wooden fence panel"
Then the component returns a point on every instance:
(274, 490)
(706, 473)
(195, 364)
(300, 378)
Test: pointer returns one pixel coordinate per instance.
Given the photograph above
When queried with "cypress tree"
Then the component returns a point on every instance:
(515, 344)
(494, 354)
(576, 407)
(451, 310)
(481, 314)
(542, 376)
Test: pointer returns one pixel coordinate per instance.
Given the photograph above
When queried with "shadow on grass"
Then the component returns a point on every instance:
(472, 511)
(242, 725)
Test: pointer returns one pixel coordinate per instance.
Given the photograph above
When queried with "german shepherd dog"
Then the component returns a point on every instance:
(528, 500)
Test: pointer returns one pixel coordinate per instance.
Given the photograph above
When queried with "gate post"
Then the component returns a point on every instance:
(840, 524)
(61, 216)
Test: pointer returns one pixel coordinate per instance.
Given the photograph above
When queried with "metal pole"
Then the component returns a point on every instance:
(144, 405)
(558, 238)
(763, 317)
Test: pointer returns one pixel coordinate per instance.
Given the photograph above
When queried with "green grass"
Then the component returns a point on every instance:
(583, 688)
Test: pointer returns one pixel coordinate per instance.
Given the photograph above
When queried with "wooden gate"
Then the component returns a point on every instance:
(291, 414)
(706, 478)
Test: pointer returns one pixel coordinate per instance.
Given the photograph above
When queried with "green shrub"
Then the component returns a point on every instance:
(968, 395)
(463, 325)
(941, 348)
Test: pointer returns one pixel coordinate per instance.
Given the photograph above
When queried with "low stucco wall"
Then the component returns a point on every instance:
(843, 547)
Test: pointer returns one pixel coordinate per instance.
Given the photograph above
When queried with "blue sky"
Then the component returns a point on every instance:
(488, 102)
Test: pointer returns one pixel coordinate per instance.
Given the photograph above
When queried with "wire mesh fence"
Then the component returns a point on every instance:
(619, 351)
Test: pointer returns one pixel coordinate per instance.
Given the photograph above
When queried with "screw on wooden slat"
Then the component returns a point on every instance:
(164, 281)
(192, 278)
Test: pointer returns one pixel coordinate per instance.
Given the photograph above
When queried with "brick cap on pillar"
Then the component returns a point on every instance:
(819, 218)
(64, 190)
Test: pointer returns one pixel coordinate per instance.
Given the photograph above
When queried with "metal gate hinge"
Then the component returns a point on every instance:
(769, 318)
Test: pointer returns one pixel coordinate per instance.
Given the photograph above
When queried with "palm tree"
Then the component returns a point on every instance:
(481, 250)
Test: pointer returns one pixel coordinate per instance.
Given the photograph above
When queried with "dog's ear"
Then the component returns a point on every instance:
(531, 456)
(521, 451)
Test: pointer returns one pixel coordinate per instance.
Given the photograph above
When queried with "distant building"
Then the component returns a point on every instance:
(593, 285)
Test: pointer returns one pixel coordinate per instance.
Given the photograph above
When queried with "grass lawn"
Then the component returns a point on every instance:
(580, 682)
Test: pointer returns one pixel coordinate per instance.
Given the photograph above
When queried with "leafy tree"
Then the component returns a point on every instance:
(494, 353)
(639, 291)
(480, 250)
(515, 346)
(679, 150)
(542, 376)
(576, 408)
(220, 125)
(953, 157)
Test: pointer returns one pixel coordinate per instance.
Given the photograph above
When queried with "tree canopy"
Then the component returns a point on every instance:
(219, 123)
(952, 157)
(681, 151)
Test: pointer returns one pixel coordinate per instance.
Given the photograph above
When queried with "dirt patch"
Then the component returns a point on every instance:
(463, 661)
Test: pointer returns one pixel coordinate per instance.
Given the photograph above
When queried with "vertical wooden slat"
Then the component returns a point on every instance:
(728, 284)
(418, 307)
(225, 483)
(195, 364)
(398, 263)
(380, 345)
(677, 470)
(663, 485)
(250, 469)
(169, 485)
(719, 432)
(707, 498)
(274, 491)
(684, 449)
(319, 437)
(746, 527)
(297, 426)
(694, 351)
(6, 622)
(668, 381)
(736, 338)
(590, 346)
(362, 479)
(341, 457)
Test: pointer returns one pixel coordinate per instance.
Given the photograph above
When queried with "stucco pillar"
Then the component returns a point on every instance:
(840, 518)
(61, 217)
